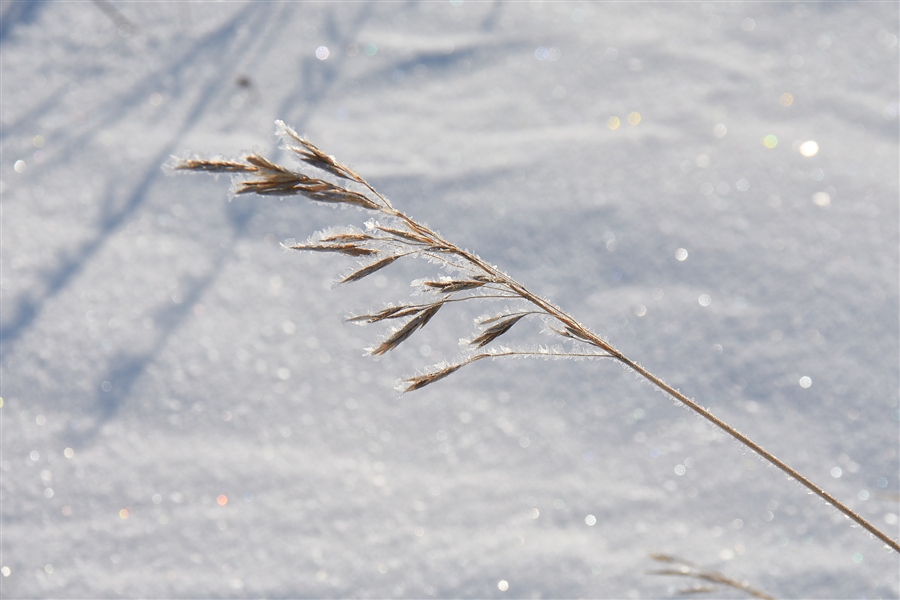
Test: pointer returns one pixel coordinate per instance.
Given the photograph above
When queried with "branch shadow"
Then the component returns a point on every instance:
(57, 278)
(125, 371)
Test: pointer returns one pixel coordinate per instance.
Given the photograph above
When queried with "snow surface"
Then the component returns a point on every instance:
(185, 413)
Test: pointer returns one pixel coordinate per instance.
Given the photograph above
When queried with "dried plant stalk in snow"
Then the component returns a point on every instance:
(694, 571)
(473, 280)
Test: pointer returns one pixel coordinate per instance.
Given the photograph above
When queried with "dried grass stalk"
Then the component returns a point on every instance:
(697, 572)
(401, 231)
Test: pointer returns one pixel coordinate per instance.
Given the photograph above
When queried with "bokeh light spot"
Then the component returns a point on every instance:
(681, 254)
(786, 99)
(612, 123)
(770, 141)
(502, 585)
(222, 500)
(634, 118)
(123, 514)
(808, 148)
(590, 520)
(805, 382)
(821, 199)
(322, 52)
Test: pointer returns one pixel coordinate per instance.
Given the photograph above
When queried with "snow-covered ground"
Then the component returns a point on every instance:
(185, 414)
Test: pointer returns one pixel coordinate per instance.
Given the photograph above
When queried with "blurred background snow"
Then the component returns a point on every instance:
(712, 186)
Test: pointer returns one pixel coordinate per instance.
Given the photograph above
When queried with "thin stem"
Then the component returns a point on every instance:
(549, 354)
(614, 353)
(784, 467)
(734, 433)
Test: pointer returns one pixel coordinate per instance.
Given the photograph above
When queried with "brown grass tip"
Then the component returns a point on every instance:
(403, 333)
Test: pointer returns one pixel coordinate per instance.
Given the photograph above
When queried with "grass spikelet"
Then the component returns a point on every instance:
(347, 237)
(402, 334)
(213, 166)
(492, 333)
(348, 249)
(391, 312)
(447, 287)
(326, 192)
(369, 269)
(273, 180)
(420, 381)
(311, 155)
(409, 236)
(505, 315)
(264, 164)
